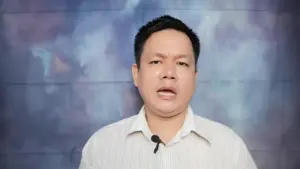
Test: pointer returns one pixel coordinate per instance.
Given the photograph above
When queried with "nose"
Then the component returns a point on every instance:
(169, 71)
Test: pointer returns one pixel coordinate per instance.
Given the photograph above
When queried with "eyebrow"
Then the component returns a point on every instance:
(164, 56)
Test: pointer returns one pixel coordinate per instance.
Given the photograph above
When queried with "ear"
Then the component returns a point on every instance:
(135, 74)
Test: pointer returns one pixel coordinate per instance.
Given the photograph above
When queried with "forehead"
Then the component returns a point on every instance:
(168, 42)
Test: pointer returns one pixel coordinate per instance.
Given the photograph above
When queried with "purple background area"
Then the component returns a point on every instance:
(66, 72)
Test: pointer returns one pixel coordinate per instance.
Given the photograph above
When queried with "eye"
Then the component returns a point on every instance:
(183, 64)
(155, 62)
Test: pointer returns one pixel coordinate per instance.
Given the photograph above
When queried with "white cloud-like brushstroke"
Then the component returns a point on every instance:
(94, 36)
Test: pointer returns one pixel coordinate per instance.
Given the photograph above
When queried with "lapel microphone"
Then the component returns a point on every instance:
(157, 140)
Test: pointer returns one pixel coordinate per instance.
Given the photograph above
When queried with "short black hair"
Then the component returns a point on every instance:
(161, 23)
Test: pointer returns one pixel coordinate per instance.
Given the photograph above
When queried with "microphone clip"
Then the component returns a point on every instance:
(156, 140)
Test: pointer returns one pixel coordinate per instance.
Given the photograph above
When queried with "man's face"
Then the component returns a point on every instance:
(166, 78)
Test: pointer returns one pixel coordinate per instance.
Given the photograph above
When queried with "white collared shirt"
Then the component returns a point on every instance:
(200, 144)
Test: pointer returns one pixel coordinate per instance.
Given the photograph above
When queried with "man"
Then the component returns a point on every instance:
(166, 133)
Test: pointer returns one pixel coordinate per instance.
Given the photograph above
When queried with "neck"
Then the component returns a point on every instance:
(165, 127)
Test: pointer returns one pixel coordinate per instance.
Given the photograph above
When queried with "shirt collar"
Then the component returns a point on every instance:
(140, 124)
(191, 124)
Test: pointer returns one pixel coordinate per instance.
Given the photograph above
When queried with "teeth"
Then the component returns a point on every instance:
(166, 93)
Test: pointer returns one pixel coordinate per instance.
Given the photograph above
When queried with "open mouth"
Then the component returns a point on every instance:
(166, 93)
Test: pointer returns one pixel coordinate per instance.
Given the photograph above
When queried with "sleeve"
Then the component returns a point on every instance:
(244, 159)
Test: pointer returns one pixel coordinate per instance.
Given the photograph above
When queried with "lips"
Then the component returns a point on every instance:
(167, 93)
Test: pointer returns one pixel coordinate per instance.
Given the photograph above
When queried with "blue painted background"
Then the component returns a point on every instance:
(66, 72)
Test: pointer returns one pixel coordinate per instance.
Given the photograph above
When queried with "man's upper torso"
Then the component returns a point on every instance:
(200, 144)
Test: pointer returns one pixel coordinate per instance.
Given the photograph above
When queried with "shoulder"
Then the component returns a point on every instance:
(114, 129)
(220, 134)
(104, 140)
(108, 135)
(225, 142)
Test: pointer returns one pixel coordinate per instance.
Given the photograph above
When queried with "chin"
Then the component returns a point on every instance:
(166, 109)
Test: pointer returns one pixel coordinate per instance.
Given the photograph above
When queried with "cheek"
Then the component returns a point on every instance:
(186, 75)
(156, 73)
(187, 82)
(150, 76)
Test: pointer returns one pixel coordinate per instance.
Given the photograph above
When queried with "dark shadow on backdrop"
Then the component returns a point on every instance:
(289, 50)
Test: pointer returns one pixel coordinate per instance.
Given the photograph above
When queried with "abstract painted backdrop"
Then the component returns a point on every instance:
(66, 72)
